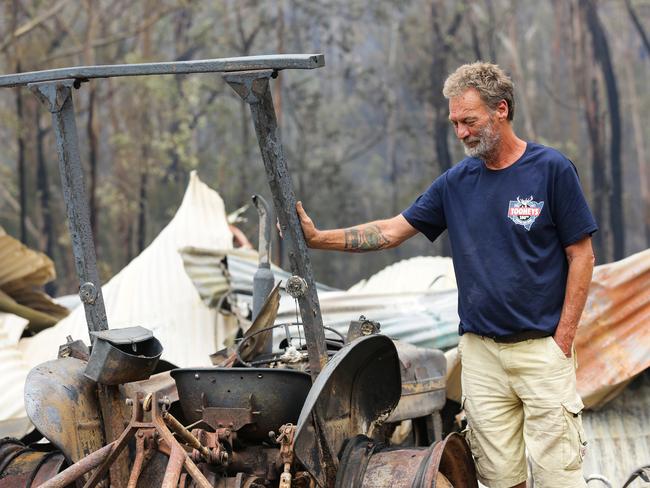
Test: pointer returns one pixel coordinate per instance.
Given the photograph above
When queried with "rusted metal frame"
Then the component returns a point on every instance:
(243, 63)
(186, 435)
(120, 444)
(114, 416)
(103, 458)
(196, 474)
(253, 88)
(174, 468)
(178, 458)
(77, 470)
(57, 96)
(138, 461)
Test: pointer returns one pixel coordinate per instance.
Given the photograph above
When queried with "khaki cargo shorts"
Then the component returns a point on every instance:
(522, 397)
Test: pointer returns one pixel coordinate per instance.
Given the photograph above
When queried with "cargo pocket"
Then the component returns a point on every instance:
(460, 347)
(468, 433)
(470, 437)
(575, 442)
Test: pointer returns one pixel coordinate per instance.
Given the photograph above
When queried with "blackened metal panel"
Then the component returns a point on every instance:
(62, 403)
(423, 382)
(356, 392)
(57, 96)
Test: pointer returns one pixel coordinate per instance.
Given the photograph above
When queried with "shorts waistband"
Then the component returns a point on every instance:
(521, 336)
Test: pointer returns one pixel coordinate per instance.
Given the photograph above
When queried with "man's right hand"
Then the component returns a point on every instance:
(372, 236)
(308, 228)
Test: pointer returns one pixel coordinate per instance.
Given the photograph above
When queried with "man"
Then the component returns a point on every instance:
(520, 233)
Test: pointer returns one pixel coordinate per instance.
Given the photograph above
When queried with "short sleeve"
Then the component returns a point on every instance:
(427, 214)
(571, 214)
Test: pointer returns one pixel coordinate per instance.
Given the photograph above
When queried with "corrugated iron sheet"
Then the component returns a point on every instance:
(215, 271)
(423, 319)
(613, 341)
(22, 270)
(619, 435)
(19, 262)
(418, 274)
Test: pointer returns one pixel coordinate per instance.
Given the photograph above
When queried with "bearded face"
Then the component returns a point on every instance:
(484, 143)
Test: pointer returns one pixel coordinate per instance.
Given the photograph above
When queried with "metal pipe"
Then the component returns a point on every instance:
(263, 280)
(196, 474)
(83, 73)
(186, 435)
(169, 439)
(253, 88)
(138, 462)
(57, 96)
(265, 224)
(78, 469)
(174, 467)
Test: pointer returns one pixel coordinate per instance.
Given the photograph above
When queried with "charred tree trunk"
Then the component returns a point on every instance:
(602, 56)
(145, 127)
(391, 124)
(22, 172)
(587, 91)
(476, 43)
(91, 130)
(439, 68)
(492, 25)
(599, 165)
(142, 209)
(13, 60)
(277, 102)
(636, 122)
(638, 26)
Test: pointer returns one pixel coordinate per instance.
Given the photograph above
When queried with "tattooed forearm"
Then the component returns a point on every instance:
(367, 238)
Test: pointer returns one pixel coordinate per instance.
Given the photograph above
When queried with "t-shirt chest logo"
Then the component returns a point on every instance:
(524, 211)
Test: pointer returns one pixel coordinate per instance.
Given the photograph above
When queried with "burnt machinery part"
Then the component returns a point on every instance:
(362, 327)
(26, 467)
(255, 400)
(123, 355)
(62, 404)
(423, 382)
(366, 463)
(333, 344)
(355, 392)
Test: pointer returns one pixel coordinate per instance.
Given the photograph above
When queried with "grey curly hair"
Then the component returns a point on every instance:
(491, 82)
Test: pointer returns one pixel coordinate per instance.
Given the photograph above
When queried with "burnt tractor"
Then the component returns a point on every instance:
(327, 416)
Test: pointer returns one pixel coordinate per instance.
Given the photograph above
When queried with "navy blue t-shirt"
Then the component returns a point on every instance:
(508, 229)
